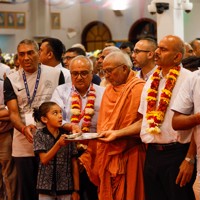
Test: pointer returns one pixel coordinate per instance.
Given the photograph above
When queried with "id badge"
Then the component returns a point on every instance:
(29, 119)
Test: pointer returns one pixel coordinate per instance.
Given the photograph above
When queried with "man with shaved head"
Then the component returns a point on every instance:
(188, 50)
(196, 46)
(169, 165)
(105, 52)
(115, 163)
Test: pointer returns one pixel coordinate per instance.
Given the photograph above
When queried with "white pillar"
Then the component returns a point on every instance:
(40, 16)
(170, 22)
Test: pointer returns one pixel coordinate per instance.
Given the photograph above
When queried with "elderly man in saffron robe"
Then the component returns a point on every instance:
(115, 162)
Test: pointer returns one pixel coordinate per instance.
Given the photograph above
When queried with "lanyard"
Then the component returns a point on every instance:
(30, 100)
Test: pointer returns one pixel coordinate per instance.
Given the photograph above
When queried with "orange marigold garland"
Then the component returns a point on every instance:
(88, 111)
(155, 116)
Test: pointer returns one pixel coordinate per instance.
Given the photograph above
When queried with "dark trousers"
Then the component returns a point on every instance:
(27, 168)
(160, 173)
(8, 173)
(88, 191)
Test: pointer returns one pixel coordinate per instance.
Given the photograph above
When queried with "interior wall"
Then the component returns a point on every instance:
(191, 25)
(70, 20)
(118, 25)
(71, 27)
(75, 18)
(14, 36)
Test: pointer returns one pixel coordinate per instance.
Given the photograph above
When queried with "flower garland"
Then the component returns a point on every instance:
(87, 113)
(155, 116)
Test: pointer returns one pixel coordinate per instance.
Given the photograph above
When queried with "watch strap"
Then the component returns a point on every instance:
(190, 160)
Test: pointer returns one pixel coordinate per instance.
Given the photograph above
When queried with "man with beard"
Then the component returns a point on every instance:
(143, 57)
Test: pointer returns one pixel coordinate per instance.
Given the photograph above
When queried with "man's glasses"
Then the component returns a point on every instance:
(68, 57)
(83, 74)
(108, 71)
(137, 51)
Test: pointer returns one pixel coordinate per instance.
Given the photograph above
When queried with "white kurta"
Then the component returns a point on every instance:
(62, 96)
(168, 134)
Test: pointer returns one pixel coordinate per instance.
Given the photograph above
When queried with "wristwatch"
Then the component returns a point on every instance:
(190, 160)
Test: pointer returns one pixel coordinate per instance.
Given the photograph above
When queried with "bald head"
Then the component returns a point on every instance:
(110, 49)
(118, 57)
(81, 73)
(188, 50)
(83, 59)
(196, 46)
(176, 43)
(170, 51)
(116, 67)
(105, 52)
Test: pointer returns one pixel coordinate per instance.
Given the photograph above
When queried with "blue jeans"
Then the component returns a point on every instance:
(60, 197)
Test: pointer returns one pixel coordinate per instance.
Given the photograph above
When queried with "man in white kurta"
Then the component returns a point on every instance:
(81, 75)
(165, 171)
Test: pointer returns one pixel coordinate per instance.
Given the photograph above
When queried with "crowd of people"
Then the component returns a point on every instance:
(141, 99)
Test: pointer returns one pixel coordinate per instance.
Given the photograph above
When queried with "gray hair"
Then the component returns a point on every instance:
(29, 42)
(110, 49)
(119, 57)
(81, 57)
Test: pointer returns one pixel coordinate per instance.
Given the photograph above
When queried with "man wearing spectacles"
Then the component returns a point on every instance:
(143, 57)
(70, 54)
(105, 52)
(81, 75)
(118, 161)
(25, 90)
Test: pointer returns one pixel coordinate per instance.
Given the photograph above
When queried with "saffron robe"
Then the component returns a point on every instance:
(117, 167)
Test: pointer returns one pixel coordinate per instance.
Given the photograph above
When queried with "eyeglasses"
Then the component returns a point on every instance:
(68, 57)
(108, 71)
(137, 51)
(83, 74)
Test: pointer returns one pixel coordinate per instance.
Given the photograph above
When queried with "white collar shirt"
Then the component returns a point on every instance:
(62, 96)
(168, 134)
(65, 72)
(187, 102)
(146, 77)
(4, 69)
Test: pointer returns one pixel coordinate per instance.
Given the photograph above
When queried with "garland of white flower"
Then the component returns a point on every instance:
(88, 111)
